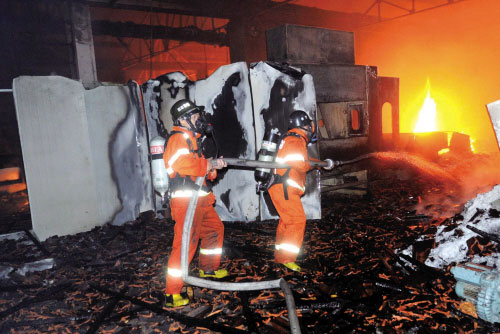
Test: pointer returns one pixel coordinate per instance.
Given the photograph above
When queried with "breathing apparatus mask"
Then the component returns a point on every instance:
(311, 133)
(202, 125)
(184, 110)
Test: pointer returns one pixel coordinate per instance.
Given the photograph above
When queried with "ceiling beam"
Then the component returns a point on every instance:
(144, 31)
(226, 9)
(207, 8)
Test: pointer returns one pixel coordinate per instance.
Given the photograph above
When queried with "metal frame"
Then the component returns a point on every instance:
(409, 11)
(140, 50)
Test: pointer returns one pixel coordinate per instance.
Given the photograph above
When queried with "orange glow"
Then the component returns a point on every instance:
(427, 115)
(457, 48)
(443, 151)
(9, 174)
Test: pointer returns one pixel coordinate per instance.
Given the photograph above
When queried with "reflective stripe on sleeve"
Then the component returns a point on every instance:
(213, 251)
(290, 157)
(176, 156)
(174, 272)
(188, 193)
(294, 184)
(288, 247)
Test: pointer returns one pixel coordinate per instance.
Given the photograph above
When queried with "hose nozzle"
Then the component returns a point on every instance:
(332, 164)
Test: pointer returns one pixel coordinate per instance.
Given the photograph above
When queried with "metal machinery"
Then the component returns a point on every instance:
(480, 285)
(349, 97)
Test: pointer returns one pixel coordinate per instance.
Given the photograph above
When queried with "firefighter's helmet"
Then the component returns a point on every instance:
(299, 119)
(184, 108)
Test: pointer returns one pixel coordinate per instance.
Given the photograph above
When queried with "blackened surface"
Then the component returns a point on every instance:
(208, 147)
(229, 133)
(173, 87)
(225, 199)
(280, 105)
(348, 255)
(294, 72)
(160, 127)
(152, 111)
(124, 160)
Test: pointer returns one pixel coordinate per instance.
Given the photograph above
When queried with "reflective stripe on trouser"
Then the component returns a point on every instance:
(208, 227)
(292, 223)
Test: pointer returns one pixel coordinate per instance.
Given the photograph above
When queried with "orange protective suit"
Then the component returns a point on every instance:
(182, 160)
(292, 223)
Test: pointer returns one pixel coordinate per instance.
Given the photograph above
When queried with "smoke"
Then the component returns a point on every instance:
(422, 166)
(447, 184)
(477, 173)
(473, 174)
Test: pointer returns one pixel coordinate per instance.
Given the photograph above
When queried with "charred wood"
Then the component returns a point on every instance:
(5, 288)
(189, 321)
(55, 292)
(4, 327)
(486, 235)
(94, 326)
(37, 243)
(251, 318)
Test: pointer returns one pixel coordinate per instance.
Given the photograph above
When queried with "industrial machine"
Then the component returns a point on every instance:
(480, 285)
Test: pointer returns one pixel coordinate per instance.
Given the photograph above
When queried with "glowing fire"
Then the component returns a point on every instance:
(427, 120)
(427, 115)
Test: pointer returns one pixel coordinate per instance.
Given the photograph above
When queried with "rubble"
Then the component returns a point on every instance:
(469, 236)
(111, 279)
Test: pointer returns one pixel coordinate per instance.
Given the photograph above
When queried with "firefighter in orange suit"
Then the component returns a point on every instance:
(289, 187)
(184, 162)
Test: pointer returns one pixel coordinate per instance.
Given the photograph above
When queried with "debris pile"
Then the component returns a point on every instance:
(355, 279)
(470, 236)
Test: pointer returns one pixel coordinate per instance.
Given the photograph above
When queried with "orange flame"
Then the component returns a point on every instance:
(427, 115)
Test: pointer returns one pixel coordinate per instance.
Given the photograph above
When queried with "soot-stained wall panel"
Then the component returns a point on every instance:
(57, 155)
(227, 99)
(158, 96)
(277, 91)
(85, 154)
(117, 134)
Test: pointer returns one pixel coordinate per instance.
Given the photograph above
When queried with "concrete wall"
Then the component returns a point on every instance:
(73, 144)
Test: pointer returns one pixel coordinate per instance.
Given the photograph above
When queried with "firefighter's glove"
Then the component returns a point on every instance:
(219, 163)
(215, 164)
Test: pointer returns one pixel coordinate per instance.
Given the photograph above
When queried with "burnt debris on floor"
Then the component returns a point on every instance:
(355, 278)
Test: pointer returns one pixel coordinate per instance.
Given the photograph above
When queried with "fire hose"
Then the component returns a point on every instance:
(328, 163)
(247, 286)
(279, 283)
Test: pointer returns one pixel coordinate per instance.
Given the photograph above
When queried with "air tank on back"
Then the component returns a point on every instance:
(160, 176)
(267, 152)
